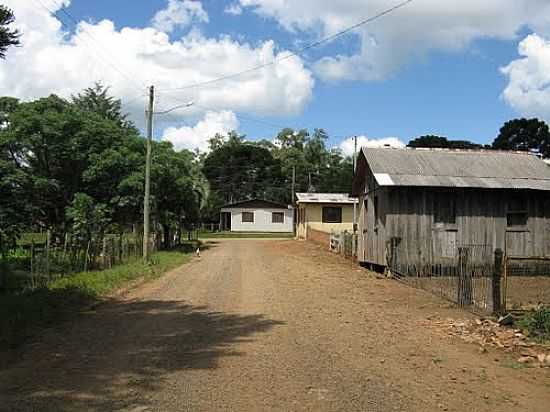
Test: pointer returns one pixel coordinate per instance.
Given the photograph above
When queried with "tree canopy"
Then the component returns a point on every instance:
(524, 134)
(432, 141)
(8, 36)
(238, 169)
(68, 165)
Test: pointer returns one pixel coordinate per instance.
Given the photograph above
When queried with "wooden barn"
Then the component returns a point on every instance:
(423, 205)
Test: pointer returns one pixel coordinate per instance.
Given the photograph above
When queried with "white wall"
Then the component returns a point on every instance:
(262, 220)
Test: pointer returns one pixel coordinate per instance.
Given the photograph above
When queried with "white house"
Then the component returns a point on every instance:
(257, 216)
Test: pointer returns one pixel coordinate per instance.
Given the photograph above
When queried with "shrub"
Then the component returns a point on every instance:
(537, 323)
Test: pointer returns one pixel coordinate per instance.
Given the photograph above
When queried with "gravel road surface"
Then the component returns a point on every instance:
(266, 325)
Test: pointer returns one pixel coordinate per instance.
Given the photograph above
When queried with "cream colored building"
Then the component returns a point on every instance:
(323, 212)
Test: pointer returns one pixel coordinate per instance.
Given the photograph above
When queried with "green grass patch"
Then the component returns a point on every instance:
(27, 238)
(512, 364)
(537, 324)
(244, 235)
(22, 312)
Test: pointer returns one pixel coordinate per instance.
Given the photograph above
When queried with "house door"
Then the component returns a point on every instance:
(226, 221)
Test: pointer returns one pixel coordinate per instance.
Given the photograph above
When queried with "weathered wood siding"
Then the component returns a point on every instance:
(372, 224)
(407, 215)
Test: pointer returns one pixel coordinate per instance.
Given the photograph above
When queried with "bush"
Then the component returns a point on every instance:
(537, 323)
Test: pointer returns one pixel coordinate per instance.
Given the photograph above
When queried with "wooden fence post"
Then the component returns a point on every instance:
(104, 252)
(48, 245)
(33, 282)
(497, 276)
(87, 256)
(464, 278)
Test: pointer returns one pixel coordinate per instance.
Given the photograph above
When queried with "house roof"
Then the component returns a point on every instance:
(457, 168)
(256, 204)
(325, 198)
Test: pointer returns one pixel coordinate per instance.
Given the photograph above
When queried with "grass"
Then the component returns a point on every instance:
(244, 235)
(537, 324)
(27, 238)
(22, 312)
(512, 364)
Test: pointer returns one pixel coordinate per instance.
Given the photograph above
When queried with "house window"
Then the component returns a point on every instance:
(332, 214)
(247, 217)
(277, 217)
(445, 209)
(516, 215)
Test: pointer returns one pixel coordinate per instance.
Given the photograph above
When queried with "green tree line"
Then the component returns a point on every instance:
(77, 165)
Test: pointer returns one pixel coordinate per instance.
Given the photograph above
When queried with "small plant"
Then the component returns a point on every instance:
(537, 323)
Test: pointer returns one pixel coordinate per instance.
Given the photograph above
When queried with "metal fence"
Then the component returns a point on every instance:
(469, 275)
(526, 282)
(344, 243)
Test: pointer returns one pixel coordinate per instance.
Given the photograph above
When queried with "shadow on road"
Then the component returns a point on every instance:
(115, 358)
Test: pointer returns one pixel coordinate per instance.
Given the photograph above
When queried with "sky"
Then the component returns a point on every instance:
(456, 69)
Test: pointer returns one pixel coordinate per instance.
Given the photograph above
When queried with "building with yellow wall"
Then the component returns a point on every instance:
(323, 212)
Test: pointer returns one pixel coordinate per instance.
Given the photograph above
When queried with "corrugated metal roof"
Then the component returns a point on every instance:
(325, 198)
(257, 203)
(458, 168)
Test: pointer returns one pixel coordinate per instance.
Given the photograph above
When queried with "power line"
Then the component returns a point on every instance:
(296, 53)
(247, 118)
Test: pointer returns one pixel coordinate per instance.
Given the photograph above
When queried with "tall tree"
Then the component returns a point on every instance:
(524, 134)
(8, 36)
(240, 170)
(97, 99)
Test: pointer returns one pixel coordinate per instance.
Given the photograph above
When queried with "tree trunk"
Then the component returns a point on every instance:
(166, 234)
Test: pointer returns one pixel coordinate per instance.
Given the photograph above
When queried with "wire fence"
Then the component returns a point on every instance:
(526, 282)
(36, 262)
(469, 275)
(344, 243)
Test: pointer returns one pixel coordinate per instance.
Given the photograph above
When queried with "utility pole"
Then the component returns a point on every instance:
(293, 202)
(146, 200)
(293, 189)
(354, 166)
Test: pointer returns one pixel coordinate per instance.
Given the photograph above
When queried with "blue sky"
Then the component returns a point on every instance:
(434, 77)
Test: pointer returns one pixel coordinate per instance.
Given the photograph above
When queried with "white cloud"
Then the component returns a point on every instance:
(528, 89)
(422, 26)
(179, 13)
(129, 59)
(234, 9)
(197, 137)
(348, 145)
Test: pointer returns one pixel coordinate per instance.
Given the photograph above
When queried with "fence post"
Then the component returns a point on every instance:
(104, 253)
(48, 244)
(33, 281)
(497, 276)
(464, 278)
(86, 257)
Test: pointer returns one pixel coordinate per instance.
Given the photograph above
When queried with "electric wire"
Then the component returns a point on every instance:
(297, 53)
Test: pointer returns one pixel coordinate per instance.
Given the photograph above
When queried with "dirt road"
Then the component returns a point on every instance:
(266, 325)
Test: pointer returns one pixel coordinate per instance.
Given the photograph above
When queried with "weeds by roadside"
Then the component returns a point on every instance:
(537, 323)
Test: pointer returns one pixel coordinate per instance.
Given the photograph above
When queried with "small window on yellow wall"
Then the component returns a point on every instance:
(277, 217)
(248, 217)
(332, 214)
